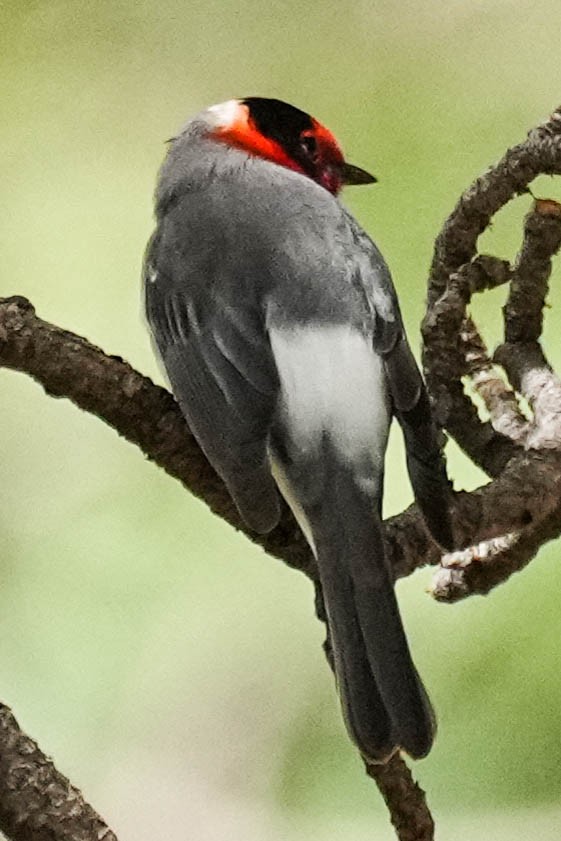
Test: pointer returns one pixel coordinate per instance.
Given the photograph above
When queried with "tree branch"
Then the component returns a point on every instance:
(521, 354)
(405, 800)
(454, 350)
(503, 523)
(523, 313)
(67, 365)
(146, 415)
(37, 803)
(455, 250)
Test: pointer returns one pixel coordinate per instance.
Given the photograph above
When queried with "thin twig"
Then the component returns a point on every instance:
(523, 312)
(531, 374)
(521, 354)
(456, 243)
(500, 400)
(412, 821)
(454, 349)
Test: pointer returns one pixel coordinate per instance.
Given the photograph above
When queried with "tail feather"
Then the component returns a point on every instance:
(384, 702)
(364, 710)
(392, 666)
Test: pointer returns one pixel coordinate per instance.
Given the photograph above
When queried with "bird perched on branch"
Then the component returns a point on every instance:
(277, 322)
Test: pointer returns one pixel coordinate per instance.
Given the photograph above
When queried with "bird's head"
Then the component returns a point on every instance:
(278, 132)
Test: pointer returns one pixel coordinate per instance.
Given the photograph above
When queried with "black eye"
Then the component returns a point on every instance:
(309, 145)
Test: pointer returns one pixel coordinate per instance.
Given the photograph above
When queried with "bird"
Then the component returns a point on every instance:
(276, 321)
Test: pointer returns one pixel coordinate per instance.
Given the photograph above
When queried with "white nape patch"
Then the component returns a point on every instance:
(333, 382)
(151, 274)
(224, 114)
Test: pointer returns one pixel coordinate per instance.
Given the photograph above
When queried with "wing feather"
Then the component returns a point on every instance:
(411, 405)
(222, 373)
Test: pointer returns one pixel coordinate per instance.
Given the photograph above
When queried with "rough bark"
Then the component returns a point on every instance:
(37, 803)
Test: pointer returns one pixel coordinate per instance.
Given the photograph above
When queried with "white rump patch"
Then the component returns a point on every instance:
(333, 382)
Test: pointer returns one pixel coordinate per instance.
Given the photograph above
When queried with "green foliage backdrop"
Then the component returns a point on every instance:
(172, 669)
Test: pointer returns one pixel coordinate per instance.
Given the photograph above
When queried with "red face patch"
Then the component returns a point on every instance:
(286, 136)
(243, 134)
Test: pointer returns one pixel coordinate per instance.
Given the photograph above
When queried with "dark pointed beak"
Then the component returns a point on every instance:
(355, 175)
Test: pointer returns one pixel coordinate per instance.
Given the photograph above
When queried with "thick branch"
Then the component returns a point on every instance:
(37, 803)
(481, 567)
(147, 415)
(66, 365)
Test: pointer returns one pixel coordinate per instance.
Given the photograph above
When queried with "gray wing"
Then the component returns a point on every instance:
(425, 459)
(222, 372)
(411, 405)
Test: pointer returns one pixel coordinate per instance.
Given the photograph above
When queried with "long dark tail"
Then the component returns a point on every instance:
(384, 703)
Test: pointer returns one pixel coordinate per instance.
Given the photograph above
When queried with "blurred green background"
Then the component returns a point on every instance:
(172, 670)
